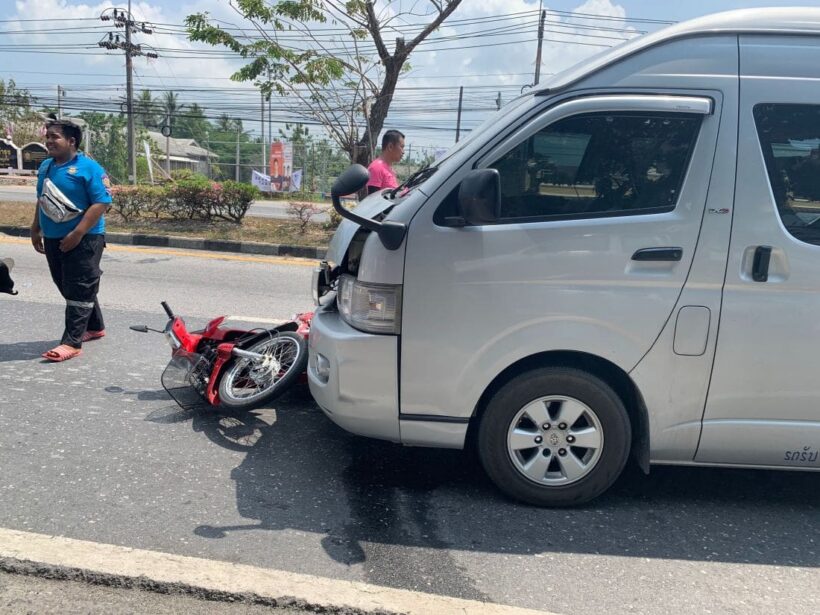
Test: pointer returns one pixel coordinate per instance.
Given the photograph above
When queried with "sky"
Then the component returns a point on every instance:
(490, 63)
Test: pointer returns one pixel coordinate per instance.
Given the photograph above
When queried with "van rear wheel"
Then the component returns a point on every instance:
(554, 437)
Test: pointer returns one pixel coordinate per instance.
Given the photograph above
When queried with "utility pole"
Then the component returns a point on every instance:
(60, 94)
(126, 21)
(236, 175)
(540, 42)
(458, 121)
(262, 123)
(167, 144)
(129, 101)
(270, 122)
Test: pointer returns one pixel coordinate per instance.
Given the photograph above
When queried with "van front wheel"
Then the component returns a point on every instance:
(554, 437)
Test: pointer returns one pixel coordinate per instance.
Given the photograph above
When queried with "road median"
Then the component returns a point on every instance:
(198, 243)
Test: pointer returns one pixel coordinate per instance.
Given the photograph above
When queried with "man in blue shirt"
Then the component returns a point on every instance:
(74, 246)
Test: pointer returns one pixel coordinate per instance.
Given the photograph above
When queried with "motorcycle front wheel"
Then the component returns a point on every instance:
(248, 383)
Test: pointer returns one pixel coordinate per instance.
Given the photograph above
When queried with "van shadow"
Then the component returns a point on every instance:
(304, 473)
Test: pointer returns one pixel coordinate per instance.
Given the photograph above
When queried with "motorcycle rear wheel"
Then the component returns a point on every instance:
(248, 384)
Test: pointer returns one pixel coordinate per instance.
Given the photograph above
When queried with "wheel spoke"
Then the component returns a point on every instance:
(522, 439)
(536, 469)
(571, 466)
(537, 412)
(588, 437)
(570, 411)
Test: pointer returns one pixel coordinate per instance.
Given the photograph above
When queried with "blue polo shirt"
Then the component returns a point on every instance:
(83, 181)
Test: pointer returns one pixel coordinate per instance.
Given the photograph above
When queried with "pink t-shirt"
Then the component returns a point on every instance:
(381, 175)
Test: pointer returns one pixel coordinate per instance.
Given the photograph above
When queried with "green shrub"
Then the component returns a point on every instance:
(186, 174)
(134, 201)
(195, 198)
(191, 199)
(234, 200)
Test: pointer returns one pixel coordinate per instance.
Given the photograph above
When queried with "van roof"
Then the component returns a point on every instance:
(790, 20)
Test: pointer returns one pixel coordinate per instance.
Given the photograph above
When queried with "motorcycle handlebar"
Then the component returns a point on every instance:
(167, 309)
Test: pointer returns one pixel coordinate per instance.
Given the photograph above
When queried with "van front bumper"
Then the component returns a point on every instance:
(357, 387)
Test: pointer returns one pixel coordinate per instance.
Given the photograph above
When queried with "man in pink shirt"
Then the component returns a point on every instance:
(381, 172)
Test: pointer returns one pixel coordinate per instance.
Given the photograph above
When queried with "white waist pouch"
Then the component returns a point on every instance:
(55, 205)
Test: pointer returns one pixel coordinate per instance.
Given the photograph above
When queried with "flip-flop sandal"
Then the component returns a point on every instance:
(61, 353)
(93, 335)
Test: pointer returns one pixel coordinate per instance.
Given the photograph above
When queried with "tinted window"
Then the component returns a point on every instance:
(599, 165)
(790, 139)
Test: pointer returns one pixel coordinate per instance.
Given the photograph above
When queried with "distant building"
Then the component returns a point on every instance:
(183, 153)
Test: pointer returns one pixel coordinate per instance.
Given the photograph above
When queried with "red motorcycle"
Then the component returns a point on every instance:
(234, 368)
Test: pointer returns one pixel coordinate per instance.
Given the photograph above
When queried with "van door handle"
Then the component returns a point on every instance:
(658, 254)
(760, 263)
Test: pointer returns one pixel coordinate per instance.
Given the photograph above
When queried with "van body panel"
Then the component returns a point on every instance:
(359, 394)
(764, 398)
(485, 297)
(674, 386)
(791, 20)
(701, 63)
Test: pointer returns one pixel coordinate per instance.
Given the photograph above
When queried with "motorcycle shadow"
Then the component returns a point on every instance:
(235, 430)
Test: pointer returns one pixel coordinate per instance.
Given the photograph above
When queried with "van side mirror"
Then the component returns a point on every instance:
(479, 197)
(352, 180)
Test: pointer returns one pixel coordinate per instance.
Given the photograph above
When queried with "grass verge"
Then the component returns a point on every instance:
(265, 230)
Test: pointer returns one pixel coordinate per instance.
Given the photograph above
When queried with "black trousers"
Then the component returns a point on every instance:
(77, 276)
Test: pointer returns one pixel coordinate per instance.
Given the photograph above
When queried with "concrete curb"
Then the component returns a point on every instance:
(67, 558)
(191, 243)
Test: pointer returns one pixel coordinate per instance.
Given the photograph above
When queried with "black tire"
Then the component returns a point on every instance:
(504, 447)
(295, 355)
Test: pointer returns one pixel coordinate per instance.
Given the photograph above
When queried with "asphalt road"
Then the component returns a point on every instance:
(259, 209)
(94, 449)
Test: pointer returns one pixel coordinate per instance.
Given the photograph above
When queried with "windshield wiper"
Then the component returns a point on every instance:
(414, 180)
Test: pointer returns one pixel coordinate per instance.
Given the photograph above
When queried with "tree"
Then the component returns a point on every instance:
(225, 123)
(192, 124)
(146, 111)
(110, 147)
(170, 107)
(335, 78)
(223, 136)
(17, 118)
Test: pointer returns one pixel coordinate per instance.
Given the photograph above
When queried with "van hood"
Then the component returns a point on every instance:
(371, 207)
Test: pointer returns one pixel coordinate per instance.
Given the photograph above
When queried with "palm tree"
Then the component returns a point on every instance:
(227, 124)
(170, 107)
(146, 109)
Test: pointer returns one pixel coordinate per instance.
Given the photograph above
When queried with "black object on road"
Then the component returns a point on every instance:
(6, 283)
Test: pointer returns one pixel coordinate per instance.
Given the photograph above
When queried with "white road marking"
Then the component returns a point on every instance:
(213, 575)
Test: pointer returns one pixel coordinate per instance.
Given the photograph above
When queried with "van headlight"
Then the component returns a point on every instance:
(375, 308)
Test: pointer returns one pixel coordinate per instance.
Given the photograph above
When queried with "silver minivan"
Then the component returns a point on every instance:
(625, 261)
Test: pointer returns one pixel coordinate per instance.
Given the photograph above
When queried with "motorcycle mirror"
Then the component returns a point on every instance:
(139, 328)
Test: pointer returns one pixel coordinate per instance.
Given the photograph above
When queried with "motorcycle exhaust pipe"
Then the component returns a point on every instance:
(247, 354)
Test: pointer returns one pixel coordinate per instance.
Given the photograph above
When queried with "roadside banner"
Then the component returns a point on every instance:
(296, 180)
(261, 181)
